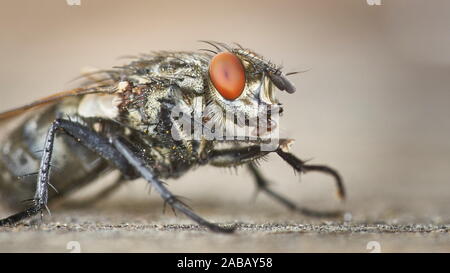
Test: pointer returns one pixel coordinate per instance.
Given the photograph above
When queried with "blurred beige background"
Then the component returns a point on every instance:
(374, 104)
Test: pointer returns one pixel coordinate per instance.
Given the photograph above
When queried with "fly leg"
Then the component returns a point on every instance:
(126, 149)
(300, 166)
(241, 155)
(85, 137)
(263, 185)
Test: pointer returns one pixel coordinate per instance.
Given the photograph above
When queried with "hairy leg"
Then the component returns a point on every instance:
(247, 155)
(263, 185)
(86, 137)
(126, 149)
(300, 166)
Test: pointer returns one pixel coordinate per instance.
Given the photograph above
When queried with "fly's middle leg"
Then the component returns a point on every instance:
(86, 137)
(147, 173)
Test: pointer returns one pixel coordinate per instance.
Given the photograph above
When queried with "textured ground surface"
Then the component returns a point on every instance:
(261, 227)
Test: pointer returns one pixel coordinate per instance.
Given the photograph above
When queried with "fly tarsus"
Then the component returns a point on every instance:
(15, 218)
(300, 166)
(180, 206)
(263, 185)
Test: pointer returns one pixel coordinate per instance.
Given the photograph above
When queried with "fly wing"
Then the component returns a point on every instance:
(15, 112)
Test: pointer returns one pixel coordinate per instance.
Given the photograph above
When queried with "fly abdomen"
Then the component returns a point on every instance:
(17, 168)
(20, 154)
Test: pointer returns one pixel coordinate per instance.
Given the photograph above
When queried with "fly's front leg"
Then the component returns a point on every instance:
(263, 185)
(300, 166)
(235, 156)
(242, 155)
(86, 137)
(126, 149)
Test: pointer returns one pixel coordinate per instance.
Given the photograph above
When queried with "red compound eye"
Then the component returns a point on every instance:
(227, 74)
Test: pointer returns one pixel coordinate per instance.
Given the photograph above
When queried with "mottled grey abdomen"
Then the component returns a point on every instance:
(73, 165)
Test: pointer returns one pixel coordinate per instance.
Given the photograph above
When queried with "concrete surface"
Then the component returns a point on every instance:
(139, 225)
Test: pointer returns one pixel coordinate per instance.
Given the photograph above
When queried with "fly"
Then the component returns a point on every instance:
(156, 118)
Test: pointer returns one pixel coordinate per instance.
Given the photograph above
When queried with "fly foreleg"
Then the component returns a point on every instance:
(241, 155)
(300, 166)
(263, 185)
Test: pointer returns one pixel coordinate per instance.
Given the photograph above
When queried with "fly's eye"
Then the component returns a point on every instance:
(227, 74)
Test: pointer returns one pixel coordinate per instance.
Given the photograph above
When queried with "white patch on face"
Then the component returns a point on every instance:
(99, 105)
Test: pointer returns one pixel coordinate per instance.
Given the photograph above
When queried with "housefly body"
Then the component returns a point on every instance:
(156, 118)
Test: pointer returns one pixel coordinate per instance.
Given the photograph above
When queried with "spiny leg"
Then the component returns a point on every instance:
(147, 173)
(263, 185)
(235, 156)
(241, 155)
(84, 136)
(301, 167)
(248, 154)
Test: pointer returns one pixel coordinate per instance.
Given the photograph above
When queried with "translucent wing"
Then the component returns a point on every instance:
(52, 99)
